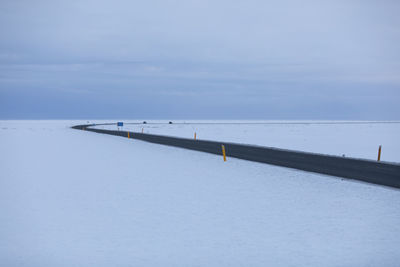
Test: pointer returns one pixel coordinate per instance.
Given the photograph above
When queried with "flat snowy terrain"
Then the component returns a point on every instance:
(353, 139)
(76, 198)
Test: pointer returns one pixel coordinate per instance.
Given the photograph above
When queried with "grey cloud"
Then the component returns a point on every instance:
(286, 59)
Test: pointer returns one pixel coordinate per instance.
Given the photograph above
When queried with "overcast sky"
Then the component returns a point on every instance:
(219, 59)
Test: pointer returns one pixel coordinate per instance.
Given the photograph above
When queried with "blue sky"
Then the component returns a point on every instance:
(200, 59)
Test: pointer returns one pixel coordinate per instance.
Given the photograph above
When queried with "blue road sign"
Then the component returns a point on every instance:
(120, 124)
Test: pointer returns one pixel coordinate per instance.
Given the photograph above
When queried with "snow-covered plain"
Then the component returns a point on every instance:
(77, 198)
(357, 139)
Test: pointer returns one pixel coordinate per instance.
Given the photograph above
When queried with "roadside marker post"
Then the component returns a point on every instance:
(223, 152)
(142, 130)
(128, 135)
(379, 152)
(194, 135)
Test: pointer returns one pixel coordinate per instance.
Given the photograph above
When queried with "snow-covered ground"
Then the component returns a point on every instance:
(77, 198)
(353, 139)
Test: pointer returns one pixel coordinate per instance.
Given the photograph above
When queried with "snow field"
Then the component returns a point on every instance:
(76, 198)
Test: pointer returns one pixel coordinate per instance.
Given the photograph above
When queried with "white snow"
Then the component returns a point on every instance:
(76, 198)
(357, 139)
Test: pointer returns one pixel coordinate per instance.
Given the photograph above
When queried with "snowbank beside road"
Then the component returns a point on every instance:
(352, 139)
(76, 198)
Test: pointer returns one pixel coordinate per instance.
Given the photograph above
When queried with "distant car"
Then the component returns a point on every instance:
(170, 122)
(144, 122)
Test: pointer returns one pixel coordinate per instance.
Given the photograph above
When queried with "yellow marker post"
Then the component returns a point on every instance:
(379, 153)
(194, 135)
(128, 135)
(223, 152)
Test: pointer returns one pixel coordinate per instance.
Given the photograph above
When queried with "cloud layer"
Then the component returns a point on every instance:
(200, 59)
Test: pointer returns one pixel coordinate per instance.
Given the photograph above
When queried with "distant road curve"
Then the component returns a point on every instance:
(381, 173)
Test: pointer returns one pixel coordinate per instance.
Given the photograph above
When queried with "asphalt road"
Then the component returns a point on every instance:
(381, 173)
